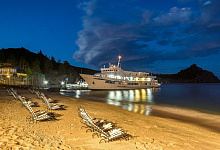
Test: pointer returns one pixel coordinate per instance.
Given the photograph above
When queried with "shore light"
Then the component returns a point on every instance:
(45, 82)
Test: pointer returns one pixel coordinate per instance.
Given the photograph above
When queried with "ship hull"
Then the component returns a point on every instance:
(101, 84)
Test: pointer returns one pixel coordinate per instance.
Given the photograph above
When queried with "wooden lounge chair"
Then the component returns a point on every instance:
(105, 129)
(25, 100)
(38, 94)
(37, 115)
(31, 91)
(111, 135)
(50, 106)
(48, 99)
(87, 119)
(9, 91)
(13, 92)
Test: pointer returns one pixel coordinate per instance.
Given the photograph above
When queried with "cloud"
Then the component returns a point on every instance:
(175, 16)
(89, 7)
(151, 36)
(207, 3)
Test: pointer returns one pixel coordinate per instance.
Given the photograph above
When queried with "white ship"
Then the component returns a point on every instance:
(114, 77)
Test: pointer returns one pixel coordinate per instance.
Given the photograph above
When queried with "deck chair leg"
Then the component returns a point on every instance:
(102, 140)
(93, 135)
(89, 130)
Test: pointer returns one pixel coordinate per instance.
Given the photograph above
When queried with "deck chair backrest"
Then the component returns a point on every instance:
(21, 99)
(9, 92)
(38, 94)
(14, 95)
(30, 110)
(46, 102)
(31, 91)
(90, 122)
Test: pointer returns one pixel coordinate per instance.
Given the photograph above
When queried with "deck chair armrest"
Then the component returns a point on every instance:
(41, 111)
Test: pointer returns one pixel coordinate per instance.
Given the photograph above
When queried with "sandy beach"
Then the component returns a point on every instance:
(171, 129)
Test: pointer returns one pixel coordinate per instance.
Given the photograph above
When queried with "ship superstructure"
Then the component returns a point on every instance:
(114, 77)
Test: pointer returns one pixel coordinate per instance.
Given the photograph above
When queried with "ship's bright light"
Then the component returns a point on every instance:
(148, 79)
(111, 76)
(118, 77)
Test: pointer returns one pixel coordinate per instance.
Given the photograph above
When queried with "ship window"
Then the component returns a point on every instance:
(111, 82)
(147, 83)
(132, 83)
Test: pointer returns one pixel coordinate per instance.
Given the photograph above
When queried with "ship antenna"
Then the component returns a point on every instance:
(119, 58)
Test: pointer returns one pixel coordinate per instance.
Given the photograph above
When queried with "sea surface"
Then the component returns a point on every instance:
(201, 97)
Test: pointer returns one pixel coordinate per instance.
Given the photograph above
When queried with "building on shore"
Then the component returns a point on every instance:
(12, 76)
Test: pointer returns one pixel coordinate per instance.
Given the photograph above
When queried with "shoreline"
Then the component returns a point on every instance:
(208, 119)
(150, 132)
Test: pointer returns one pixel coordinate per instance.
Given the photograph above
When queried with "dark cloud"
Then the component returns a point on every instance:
(187, 1)
(163, 42)
(181, 33)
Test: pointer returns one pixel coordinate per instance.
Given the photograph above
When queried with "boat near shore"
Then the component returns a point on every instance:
(115, 78)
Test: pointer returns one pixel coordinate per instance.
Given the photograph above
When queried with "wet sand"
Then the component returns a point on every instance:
(171, 129)
(209, 121)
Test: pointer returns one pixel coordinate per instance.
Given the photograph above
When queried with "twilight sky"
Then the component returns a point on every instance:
(159, 36)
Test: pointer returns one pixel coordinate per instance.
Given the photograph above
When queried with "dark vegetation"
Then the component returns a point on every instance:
(193, 74)
(55, 71)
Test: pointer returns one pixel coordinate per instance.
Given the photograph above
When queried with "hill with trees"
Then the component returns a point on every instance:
(193, 74)
(55, 71)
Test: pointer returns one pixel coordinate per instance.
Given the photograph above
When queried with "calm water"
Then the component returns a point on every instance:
(203, 97)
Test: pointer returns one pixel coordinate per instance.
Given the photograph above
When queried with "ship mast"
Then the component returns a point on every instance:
(119, 58)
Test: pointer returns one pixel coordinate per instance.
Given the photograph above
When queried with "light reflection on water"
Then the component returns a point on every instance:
(138, 95)
(138, 100)
(202, 97)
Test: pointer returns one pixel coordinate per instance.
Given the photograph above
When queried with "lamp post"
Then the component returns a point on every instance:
(62, 84)
(8, 76)
(45, 83)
